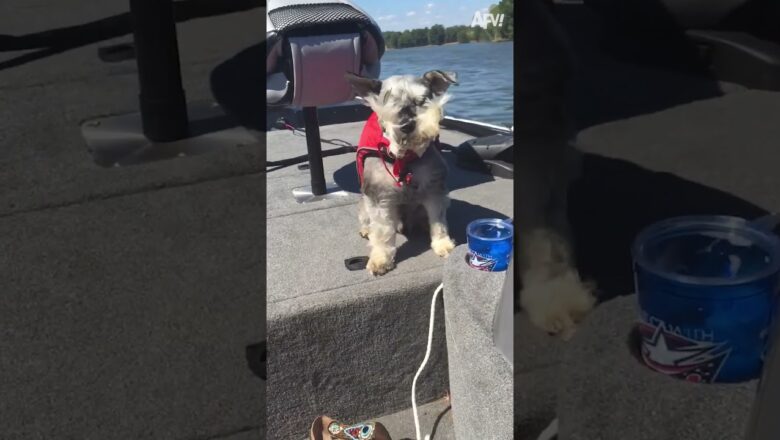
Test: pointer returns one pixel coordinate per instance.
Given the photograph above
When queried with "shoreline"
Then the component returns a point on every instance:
(448, 44)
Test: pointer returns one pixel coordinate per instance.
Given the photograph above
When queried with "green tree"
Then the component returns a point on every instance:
(451, 34)
(405, 40)
(506, 7)
(420, 37)
(476, 34)
(436, 35)
(391, 39)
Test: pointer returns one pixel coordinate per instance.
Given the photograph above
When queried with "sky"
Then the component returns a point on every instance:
(399, 15)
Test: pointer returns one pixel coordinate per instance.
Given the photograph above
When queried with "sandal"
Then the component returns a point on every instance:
(325, 428)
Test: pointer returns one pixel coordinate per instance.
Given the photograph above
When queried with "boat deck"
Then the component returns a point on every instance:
(318, 236)
(658, 143)
(132, 301)
(351, 342)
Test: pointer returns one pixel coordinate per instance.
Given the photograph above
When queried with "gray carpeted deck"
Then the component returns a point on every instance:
(118, 319)
(658, 143)
(608, 393)
(346, 343)
(131, 296)
(44, 160)
(481, 379)
(435, 419)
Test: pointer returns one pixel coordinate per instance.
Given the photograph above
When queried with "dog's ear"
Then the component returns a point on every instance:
(363, 87)
(439, 81)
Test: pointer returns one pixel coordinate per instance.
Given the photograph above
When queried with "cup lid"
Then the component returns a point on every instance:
(497, 222)
(736, 230)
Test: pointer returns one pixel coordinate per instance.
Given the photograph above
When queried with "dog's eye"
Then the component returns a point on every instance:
(421, 102)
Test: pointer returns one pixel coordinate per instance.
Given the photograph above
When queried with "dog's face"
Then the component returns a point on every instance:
(409, 108)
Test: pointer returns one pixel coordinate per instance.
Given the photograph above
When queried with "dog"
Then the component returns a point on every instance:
(400, 170)
(410, 108)
(553, 295)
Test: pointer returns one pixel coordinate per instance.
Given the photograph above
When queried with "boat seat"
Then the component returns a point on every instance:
(310, 46)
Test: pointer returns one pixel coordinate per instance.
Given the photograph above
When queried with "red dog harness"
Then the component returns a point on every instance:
(373, 143)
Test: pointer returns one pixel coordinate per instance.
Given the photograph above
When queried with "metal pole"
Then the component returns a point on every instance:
(162, 102)
(764, 422)
(315, 151)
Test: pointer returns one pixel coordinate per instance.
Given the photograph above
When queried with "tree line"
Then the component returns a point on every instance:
(438, 34)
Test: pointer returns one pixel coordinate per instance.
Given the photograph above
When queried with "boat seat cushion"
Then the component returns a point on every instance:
(312, 45)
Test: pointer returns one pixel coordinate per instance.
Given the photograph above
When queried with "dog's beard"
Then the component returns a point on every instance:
(426, 130)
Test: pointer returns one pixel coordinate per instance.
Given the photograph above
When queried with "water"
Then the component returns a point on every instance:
(707, 289)
(485, 76)
(490, 244)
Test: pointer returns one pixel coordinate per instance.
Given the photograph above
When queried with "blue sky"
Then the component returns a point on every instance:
(400, 15)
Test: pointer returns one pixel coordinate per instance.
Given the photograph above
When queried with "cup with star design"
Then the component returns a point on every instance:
(707, 288)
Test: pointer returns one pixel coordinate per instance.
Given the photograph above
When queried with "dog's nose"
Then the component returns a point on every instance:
(408, 127)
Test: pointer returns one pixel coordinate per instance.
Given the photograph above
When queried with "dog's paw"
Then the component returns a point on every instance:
(442, 246)
(558, 324)
(364, 230)
(557, 305)
(379, 264)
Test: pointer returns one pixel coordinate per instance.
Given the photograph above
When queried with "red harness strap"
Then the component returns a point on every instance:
(373, 143)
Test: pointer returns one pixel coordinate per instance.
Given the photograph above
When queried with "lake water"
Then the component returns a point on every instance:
(485, 76)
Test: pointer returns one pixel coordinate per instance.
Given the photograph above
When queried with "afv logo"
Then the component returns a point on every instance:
(483, 20)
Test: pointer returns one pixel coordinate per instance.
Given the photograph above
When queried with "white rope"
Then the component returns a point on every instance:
(425, 361)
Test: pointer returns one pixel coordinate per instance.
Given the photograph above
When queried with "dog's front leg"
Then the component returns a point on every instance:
(436, 208)
(554, 296)
(383, 218)
(363, 217)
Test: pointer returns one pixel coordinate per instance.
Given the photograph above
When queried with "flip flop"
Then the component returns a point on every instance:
(325, 428)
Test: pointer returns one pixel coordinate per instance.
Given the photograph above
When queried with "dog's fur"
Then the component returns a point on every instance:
(553, 295)
(410, 109)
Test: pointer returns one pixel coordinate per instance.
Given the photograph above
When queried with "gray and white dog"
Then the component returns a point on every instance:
(409, 110)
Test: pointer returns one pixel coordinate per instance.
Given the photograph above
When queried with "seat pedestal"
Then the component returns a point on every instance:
(319, 189)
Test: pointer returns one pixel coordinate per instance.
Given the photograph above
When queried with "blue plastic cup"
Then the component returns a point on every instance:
(707, 289)
(490, 244)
